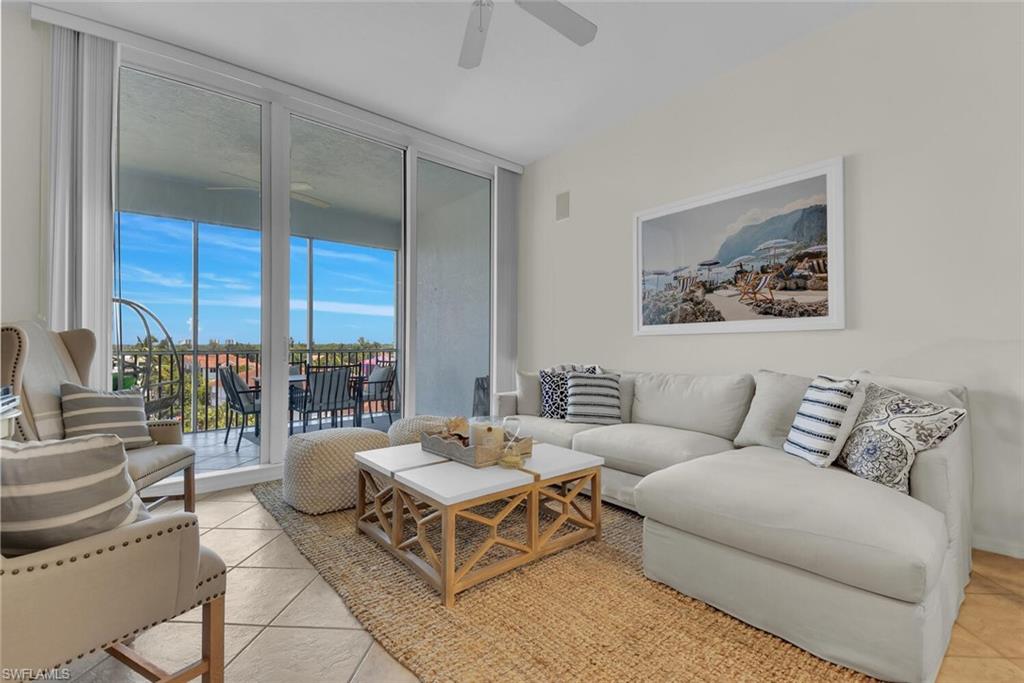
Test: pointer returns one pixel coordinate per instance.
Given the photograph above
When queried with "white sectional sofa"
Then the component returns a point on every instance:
(848, 569)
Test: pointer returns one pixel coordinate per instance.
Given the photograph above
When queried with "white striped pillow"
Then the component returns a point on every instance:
(58, 491)
(594, 398)
(814, 435)
(122, 413)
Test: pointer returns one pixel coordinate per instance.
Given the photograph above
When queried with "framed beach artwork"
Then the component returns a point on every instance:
(766, 256)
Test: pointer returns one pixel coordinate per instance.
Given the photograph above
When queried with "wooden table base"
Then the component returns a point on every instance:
(384, 508)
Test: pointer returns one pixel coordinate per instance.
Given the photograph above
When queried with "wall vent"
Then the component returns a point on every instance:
(562, 206)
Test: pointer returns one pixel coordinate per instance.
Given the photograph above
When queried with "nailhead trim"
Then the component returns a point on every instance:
(104, 646)
(19, 334)
(215, 576)
(99, 551)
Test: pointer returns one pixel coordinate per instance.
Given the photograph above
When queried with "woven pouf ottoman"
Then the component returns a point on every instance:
(408, 429)
(320, 468)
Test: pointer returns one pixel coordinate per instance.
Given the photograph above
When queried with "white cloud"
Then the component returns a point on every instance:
(339, 255)
(345, 308)
(154, 278)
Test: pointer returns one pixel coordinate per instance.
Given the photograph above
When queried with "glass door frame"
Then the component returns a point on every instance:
(279, 101)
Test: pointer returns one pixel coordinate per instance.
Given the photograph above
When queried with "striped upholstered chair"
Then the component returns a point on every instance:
(35, 361)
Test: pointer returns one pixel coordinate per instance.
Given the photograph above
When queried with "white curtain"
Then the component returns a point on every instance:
(81, 198)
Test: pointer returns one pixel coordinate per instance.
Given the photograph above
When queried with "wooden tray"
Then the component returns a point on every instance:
(474, 456)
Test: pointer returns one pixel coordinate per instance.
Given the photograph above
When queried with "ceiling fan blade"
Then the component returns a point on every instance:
(310, 199)
(476, 34)
(570, 24)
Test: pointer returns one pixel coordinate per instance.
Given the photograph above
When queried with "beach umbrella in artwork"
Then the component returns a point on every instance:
(708, 265)
(818, 248)
(773, 248)
(740, 261)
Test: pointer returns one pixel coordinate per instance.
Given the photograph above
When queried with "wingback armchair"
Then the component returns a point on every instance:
(100, 592)
(35, 361)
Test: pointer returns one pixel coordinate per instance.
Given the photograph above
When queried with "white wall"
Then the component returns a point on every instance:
(25, 113)
(924, 101)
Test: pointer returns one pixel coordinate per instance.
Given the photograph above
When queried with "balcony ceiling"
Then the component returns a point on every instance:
(535, 91)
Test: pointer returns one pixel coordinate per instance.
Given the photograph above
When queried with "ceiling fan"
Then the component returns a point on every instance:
(299, 190)
(570, 24)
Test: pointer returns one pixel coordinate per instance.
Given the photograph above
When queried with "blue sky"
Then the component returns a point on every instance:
(353, 288)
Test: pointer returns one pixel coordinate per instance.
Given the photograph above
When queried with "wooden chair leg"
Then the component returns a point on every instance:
(190, 488)
(213, 640)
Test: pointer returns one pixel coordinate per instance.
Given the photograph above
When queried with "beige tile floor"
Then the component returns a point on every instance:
(284, 623)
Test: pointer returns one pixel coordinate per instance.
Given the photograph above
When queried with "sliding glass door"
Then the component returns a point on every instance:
(188, 250)
(346, 218)
(452, 345)
(285, 289)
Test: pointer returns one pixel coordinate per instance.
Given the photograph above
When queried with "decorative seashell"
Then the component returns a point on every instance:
(458, 425)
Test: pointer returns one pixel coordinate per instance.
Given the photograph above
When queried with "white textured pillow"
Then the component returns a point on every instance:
(777, 397)
(819, 421)
(59, 491)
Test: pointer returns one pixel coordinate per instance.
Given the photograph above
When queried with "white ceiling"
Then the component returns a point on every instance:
(535, 91)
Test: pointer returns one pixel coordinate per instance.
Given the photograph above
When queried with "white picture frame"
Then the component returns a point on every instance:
(832, 172)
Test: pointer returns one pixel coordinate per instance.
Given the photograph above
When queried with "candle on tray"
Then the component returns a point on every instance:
(486, 434)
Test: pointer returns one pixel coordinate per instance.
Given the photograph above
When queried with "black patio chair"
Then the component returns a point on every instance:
(241, 399)
(379, 389)
(330, 389)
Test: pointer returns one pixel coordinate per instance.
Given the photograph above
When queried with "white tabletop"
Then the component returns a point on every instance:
(389, 461)
(552, 461)
(452, 482)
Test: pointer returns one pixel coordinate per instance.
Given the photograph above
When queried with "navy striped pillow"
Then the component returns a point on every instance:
(594, 398)
(818, 421)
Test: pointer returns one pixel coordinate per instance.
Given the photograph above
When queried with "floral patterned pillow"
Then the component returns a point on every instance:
(891, 429)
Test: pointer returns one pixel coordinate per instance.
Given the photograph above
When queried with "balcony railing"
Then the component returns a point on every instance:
(197, 400)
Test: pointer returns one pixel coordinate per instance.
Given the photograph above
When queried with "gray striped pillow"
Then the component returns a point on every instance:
(122, 413)
(594, 398)
(819, 420)
(59, 491)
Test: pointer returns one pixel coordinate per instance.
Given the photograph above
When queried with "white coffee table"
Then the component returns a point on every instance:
(405, 483)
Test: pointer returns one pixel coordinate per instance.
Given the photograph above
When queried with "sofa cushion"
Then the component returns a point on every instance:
(777, 397)
(151, 464)
(555, 432)
(823, 520)
(712, 404)
(642, 449)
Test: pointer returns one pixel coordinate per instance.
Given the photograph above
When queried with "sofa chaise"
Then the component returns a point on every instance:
(848, 569)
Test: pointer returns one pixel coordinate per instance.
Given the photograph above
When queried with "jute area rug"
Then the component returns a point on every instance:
(584, 614)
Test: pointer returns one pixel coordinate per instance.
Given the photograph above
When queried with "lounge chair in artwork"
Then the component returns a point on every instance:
(813, 266)
(687, 283)
(758, 288)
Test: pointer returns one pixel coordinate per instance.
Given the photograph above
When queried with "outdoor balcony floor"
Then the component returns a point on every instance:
(212, 454)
